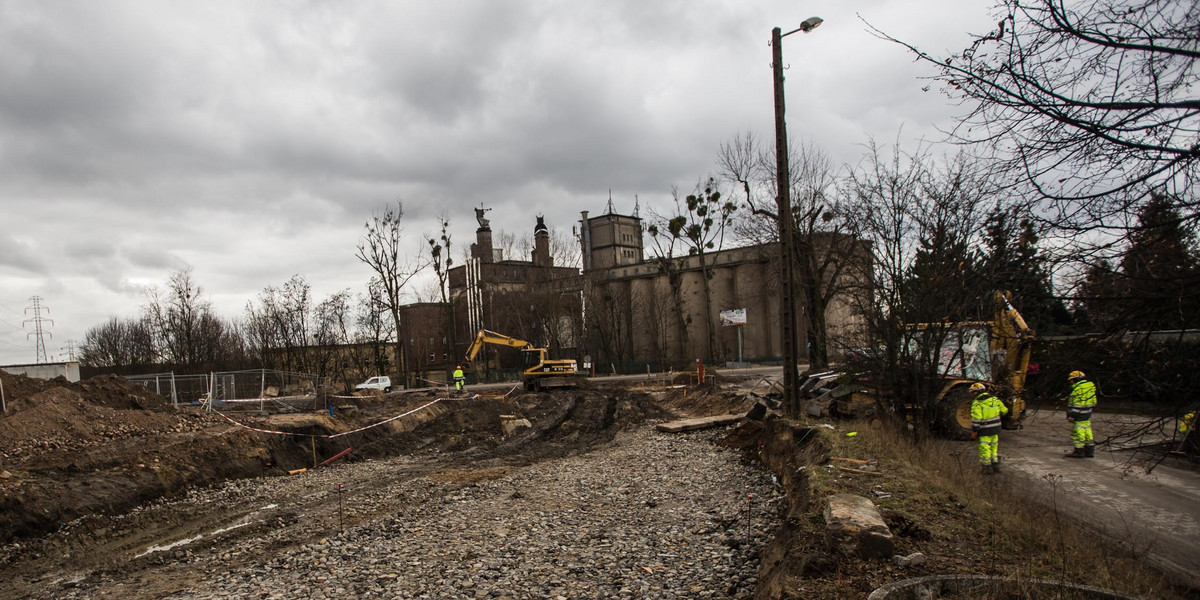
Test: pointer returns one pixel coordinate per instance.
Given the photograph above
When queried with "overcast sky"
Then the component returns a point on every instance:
(250, 141)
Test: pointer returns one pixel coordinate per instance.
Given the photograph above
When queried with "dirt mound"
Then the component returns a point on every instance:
(19, 387)
(55, 414)
(703, 402)
(61, 419)
(120, 393)
(68, 449)
(21, 392)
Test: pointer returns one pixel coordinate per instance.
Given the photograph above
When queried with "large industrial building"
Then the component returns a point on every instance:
(625, 311)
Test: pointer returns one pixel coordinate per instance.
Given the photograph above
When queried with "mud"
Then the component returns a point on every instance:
(86, 471)
(83, 466)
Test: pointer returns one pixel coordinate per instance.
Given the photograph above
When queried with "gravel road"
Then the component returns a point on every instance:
(1154, 513)
(648, 515)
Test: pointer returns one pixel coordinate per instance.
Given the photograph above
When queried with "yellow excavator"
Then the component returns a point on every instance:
(996, 352)
(1008, 342)
(540, 372)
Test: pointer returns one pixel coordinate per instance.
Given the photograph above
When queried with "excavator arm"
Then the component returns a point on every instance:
(540, 371)
(490, 337)
(1011, 334)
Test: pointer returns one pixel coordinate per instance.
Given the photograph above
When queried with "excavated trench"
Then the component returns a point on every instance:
(58, 467)
(69, 472)
(89, 483)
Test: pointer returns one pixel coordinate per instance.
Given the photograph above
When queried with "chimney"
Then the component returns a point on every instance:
(585, 241)
(541, 244)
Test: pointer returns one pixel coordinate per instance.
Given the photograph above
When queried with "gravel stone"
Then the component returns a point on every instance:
(649, 515)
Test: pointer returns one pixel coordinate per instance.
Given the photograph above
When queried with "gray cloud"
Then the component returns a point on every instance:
(19, 255)
(251, 141)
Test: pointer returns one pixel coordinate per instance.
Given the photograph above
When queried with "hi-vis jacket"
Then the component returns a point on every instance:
(985, 414)
(1082, 400)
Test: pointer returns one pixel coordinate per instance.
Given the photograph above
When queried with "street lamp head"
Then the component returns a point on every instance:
(806, 26)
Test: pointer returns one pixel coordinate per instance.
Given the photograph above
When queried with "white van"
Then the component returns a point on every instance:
(381, 382)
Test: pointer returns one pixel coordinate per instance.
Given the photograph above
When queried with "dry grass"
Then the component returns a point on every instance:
(976, 524)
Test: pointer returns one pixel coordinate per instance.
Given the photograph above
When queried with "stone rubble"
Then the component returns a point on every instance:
(649, 515)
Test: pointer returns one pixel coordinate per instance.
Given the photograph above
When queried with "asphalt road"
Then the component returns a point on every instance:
(1153, 509)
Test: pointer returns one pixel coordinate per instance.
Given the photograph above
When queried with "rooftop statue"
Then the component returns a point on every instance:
(483, 223)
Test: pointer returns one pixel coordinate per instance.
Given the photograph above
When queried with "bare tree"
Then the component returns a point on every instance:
(119, 344)
(663, 255)
(509, 247)
(280, 325)
(700, 223)
(881, 190)
(924, 220)
(655, 319)
(176, 316)
(439, 256)
(1093, 107)
(223, 344)
(380, 249)
(610, 320)
(177, 329)
(822, 249)
(743, 163)
(1093, 104)
(331, 334)
(371, 332)
(565, 249)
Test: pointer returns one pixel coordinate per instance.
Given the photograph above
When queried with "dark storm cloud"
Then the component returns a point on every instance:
(53, 82)
(251, 141)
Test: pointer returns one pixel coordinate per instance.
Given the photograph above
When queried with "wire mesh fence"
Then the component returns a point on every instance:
(262, 390)
(177, 389)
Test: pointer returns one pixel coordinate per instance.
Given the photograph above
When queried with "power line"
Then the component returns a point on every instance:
(70, 348)
(5, 306)
(37, 321)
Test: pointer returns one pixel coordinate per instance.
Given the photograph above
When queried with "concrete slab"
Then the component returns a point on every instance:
(698, 423)
(854, 527)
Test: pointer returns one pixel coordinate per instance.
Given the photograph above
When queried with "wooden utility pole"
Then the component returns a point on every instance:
(787, 284)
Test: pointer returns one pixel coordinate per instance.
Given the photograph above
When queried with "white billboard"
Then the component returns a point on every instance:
(733, 318)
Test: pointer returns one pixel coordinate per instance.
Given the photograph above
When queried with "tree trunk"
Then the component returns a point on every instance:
(814, 303)
(708, 320)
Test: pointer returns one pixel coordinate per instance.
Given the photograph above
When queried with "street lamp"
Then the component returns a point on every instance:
(787, 285)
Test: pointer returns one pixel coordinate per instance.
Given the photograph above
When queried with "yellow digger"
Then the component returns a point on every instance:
(995, 351)
(540, 372)
(1009, 343)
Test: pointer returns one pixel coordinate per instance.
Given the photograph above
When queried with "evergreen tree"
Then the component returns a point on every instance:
(1014, 262)
(943, 283)
(1160, 270)
(1100, 297)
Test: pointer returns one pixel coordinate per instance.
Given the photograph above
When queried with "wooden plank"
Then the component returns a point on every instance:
(849, 470)
(698, 423)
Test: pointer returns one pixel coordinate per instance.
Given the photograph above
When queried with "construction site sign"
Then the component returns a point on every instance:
(733, 318)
